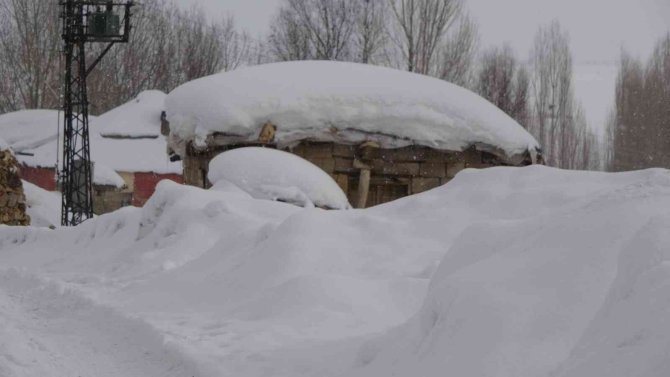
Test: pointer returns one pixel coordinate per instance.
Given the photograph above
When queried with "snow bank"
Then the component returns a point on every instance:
(43, 206)
(276, 175)
(46, 331)
(3, 144)
(139, 118)
(343, 102)
(569, 290)
(503, 272)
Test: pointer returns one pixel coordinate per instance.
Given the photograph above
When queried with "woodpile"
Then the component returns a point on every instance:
(12, 197)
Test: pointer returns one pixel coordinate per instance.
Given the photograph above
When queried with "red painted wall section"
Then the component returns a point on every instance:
(145, 185)
(41, 177)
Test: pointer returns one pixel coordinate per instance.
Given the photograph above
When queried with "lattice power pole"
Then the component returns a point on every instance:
(84, 22)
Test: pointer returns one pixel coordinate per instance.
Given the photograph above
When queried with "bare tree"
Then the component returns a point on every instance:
(457, 54)
(553, 116)
(168, 47)
(422, 26)
(504, 82)
(236, 46)
(370, 33)
(496, 77)
(29, 54)
(288, 40)
(319, 29)
(639, 128)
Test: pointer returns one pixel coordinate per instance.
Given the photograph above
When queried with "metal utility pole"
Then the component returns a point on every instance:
(84, 22)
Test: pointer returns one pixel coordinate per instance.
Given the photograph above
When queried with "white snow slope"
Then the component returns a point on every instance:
(344, 102)
(518, 272)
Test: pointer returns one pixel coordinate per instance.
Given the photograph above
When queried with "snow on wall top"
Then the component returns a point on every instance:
(276, 175)
(343, 102)
(138, 118)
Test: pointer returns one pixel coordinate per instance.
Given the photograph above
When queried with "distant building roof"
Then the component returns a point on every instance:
(133, 142)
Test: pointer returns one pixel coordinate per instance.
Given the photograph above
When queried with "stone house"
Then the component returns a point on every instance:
(381, 134)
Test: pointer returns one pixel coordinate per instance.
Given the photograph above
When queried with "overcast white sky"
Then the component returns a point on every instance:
(598, 27)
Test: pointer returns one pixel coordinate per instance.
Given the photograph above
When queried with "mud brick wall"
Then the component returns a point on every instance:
(12, 197)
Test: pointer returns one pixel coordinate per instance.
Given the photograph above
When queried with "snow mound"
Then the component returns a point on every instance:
(139, 118)
(573, 290)
(343, 102)
(3, 144)
(46, 331)
(504, 272)
(43, 206)
(276, 175)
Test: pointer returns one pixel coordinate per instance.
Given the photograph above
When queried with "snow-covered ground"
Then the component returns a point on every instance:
(503, 272)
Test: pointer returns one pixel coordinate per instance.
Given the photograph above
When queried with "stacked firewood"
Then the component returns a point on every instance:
(12, 197)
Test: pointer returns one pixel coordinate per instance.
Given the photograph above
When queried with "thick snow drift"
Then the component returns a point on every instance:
(47, 331)
(276, 175)
(503, 272)
(344, 102)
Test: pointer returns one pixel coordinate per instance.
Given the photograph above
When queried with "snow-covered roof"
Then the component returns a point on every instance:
(138, 118)
(28, 129)
(33, 134)
(134, 155)
(342, 102)
(276, 175)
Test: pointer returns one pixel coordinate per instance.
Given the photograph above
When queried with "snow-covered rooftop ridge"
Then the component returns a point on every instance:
(139, 118)
(343, 102)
